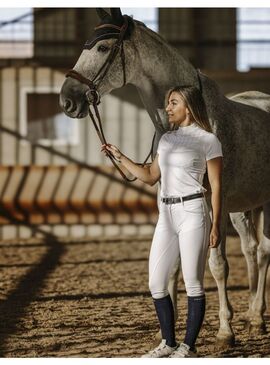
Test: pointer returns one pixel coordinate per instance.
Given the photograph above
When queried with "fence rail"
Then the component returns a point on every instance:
(75, 193)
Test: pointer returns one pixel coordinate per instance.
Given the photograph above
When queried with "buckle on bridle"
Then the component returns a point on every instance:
(92, 96)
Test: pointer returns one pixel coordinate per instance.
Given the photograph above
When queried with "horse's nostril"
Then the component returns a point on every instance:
(69, 105)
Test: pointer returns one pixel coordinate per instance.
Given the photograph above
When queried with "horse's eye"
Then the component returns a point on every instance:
(102, 49)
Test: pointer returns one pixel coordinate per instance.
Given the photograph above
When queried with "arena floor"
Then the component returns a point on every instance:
(91, 299)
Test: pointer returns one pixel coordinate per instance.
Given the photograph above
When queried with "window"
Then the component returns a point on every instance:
(253, 38)
(149, 16)
(43, 120)
(16, 33)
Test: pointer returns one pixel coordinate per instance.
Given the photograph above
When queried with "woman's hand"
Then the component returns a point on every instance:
(214, 236)
(113, 149)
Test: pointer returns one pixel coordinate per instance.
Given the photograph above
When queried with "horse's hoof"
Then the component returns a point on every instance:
(256, 329)
(223, 343)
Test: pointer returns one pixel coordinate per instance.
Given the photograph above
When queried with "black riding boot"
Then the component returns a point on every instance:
(165, 313)
(196, 311)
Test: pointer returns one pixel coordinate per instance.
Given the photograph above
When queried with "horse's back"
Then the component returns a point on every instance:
(256, 99)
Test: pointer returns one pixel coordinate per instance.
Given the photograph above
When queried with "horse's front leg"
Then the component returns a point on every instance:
(220, 270)
(243, 224)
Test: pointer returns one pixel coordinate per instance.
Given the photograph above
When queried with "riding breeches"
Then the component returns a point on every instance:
(183, 229)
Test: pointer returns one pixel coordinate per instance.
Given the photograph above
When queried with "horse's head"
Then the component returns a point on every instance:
(103, 65)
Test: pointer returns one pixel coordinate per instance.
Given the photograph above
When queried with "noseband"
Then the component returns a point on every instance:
(92, 95)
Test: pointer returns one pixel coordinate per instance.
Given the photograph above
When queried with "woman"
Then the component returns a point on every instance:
(184, 226)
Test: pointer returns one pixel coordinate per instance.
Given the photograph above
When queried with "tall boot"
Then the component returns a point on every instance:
(165, 313)
(196, 311)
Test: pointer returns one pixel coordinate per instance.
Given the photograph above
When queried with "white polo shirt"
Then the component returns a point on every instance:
(182, 156)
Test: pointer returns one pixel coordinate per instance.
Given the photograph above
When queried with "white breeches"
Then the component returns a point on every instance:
(182, 229)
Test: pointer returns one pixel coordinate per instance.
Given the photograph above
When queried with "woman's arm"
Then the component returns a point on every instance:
(214, 169)
(147, 174)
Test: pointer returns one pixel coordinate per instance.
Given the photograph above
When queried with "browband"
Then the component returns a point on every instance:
(89, 44)
(108, 34)
(107, 26)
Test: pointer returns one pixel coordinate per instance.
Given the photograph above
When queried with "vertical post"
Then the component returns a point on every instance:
(1, 135)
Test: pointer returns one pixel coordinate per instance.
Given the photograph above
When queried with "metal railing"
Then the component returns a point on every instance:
(16, 37)
(252, 50)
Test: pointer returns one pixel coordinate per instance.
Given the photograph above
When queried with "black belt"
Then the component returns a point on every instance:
(179, 200)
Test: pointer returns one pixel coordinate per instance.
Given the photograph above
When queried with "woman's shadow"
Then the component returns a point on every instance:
(14, 307)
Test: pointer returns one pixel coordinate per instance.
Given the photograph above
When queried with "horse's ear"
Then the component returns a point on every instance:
(117, 14)
(102, 13)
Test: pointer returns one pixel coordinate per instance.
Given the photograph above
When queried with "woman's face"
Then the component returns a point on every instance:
(177, 110)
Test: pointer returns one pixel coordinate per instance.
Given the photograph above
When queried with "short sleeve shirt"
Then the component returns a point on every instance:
(182, 156)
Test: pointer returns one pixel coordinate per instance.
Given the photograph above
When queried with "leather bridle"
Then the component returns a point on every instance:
(92, 95)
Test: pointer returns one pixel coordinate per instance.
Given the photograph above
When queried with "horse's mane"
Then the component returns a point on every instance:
(150, 32)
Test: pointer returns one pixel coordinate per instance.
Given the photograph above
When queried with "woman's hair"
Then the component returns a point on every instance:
(195, 104)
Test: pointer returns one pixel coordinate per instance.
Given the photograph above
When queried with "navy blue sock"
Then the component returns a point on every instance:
(196, 311)
(165, 313)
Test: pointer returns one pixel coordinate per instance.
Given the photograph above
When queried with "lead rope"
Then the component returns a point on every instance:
(102, 138)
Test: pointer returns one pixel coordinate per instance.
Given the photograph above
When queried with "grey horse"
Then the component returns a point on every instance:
(242, 123)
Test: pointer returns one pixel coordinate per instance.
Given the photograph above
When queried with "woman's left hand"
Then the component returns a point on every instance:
(112, 149)
(214, 236)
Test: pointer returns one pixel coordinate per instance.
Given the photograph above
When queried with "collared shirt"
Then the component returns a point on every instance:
(182, 156)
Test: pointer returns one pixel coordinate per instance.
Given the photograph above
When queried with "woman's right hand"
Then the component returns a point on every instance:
(214, 236)
(113, 149)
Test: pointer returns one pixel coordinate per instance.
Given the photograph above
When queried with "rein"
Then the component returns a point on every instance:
(92, 95)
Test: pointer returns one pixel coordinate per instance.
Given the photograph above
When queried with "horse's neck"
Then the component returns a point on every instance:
(160, 68)
(216, 103)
